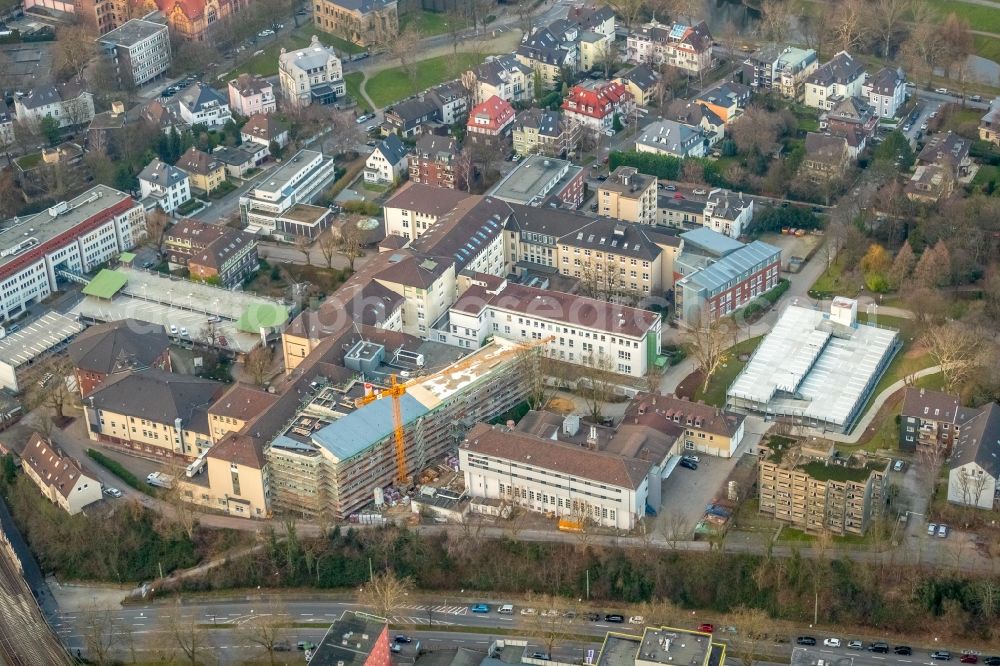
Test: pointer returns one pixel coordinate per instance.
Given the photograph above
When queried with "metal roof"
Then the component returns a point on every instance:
(355, 432)
(37, 338)
(733, 266)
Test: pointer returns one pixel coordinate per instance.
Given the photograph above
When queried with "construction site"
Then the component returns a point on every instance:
(353, 445)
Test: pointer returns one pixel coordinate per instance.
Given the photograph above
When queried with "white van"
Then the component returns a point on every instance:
(506, 609)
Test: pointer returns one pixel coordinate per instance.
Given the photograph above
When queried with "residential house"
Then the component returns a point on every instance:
(387, 163)
(503, 76)
(974, 464)
(366, 23)
(69, 103)
(427, 284)
(728, 213)
(542, 181)
(595, 104)
(827, 157)
(930, 183)
(547, 55)
(311, 75)
(6, 125)
(782, 69)
(105, 351)
(599, 19)
(669, 137)
(206, 172)
(886, 91)
(727, 100)
(60, 478)
(407, 118)
(153, 413)
(641, 81)
(238, 480)
(699, 428)
(241, 160)
(105, 128)
(264, 129)
(594, 50)
(228, 261)
(250, 94)
(989, 126)
(165, 116)
(417, 207)
(701, 116)
(436, 161)
(186, 238)
(544, 132)
(628, 195)
(930, 421)
(138, 50)
(947, 150)
(280, 204)
(163, 185)
(679, 212)
(490, 122)
(853, 119)
(452, 100)
(199, 104)
(688, 48)
(578, 330)
(837, 79)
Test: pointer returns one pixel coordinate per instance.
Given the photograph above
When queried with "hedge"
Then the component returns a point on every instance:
(117, 469)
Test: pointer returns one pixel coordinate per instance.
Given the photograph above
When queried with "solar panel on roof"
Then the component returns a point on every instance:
(677, 31)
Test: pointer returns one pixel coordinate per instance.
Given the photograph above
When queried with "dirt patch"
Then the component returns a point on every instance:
(915, 351)
(561, 406)
(688, 385)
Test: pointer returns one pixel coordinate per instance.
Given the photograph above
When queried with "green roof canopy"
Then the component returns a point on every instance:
(106, 284)
(126, 257)
(261, 315)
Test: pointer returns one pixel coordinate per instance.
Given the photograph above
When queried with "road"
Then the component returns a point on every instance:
(222, 209)
(844, 656)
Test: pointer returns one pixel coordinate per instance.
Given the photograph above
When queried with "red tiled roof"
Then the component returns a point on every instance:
(597, 101)
(492, 115)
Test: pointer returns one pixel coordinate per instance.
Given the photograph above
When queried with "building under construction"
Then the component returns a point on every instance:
(331, 460)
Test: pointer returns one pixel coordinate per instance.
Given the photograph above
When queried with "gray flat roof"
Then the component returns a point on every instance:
(132, 32)
(534, 179)
(36, 338)
(277, 181)
(720, 273)
(810, 367)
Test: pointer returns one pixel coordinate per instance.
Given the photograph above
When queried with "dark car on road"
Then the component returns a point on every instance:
(880, 647)
(805, 640)
(991, 661)
(941, 655)
(689, 464)
(617, 619)
(403, 639)
(904, 650)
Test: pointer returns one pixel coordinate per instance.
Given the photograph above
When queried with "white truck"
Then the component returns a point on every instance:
(160, 480)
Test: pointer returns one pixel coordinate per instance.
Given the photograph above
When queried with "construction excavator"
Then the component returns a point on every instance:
(395, 391)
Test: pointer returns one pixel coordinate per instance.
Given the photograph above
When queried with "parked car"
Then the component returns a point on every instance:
(976, 98)
(831, 642)
(923, 127)
(805, 640)
(614, 617)
(569, 615)
(688, 464)
(670, 188)
(941, 91)
(699, 191)
(593, 617)
(907, 127)
(932, 529)
(942, 531)
(879, 647)
(904, 650)
(529, 611)
(540, 655)
(707, 628)
(969, 659)
(552, 612)
(364, 117)
(305, 645)
(282, 646)
(991, 661)
(933, 114)
(184, 332)
(855, 645)
(941, 655)
(480, 608)
(898, 467)
(637, 619)
(112, 492)
(693, 458)
(267, 32)
(401, 638)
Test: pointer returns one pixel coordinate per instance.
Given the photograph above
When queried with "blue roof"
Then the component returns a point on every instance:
(711, 241)
(355, 432)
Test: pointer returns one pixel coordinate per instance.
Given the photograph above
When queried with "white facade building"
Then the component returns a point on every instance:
(885, 92)
(164, 185)
(199, 104)
(68, 103)
(74, 236)
(388, 162)
(727, 213)
(250, 94)
(838, 79)
(298, 181)
(580, 330)
(974, 464)
(139, 50)
(547, 475)
(311, 75)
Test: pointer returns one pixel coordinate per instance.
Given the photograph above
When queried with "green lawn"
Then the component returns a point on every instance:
(959, 117)
(29, 161)
(979, 17)
(724, 376)
(353, 81)
(819, 470)
(835, 281)
(427, 23)
(987, 47)
(793, 534)
(266, 64)
(392, 85)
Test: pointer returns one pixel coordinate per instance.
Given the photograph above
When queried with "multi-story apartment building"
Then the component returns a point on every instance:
(228, 261)
(595, 104)
(974, 466)
(334, 465)
(839, 78)
(69, 103)
(698, 427)
(367, 23)
(549, 55)
(436, 161)
(427, 283)
(490, 122)
(579, 330)
(989, 126)
(539, 181)
(60, 478)
(713, 283)
(782, 69)
(930, 421)
(544, 132)
(105, 351)
(688, 48)
(250, 94)
(642, 81)
(728, 213)
(548, 476)
(279, 204)
(678, 213)
(72, 236)
(628, 195)
(885, 91)
(815, 492)
(199, 104)
(153, 413)
(139, 51)
(311, 75)
(504, 76)
(452, 101)
(163, 185)
(416, 207)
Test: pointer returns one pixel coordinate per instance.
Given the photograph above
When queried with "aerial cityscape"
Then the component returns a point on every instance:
(484, 332)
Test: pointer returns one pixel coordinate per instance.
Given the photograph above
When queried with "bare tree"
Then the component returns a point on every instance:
(188, 639)
(267, 630)
(958, 349)
(628, 10)
(405, 47)
(74, 49)
(885, 20)
(328, 243)
(100, 635)
(707, 346)
(385, 593)
(258, 364)
(849, 24)
(304, 245)
(350, 242)
(677, 528)
(183, 509)
(597, 371)
(47, 386)
(157, 225)
(753, 630)
(774, 24)
(972, 485)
